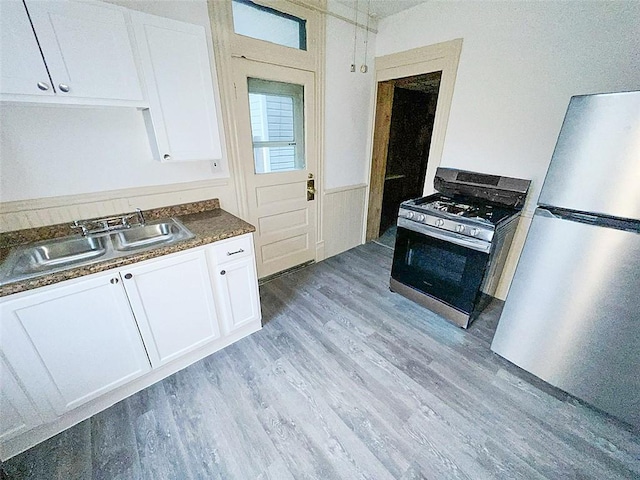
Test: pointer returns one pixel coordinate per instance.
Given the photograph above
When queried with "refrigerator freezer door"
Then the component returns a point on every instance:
(596, 163)
(572, 315)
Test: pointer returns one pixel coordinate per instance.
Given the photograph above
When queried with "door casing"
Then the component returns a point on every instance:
(439, 57)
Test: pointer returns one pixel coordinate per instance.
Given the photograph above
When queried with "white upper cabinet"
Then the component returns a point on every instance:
(177, 74)
(22, 70)
(85, 47)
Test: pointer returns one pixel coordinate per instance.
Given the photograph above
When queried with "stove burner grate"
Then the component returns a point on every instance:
(453, 208)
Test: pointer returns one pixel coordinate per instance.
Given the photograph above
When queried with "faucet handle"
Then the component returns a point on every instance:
(80, 225)
(140, 215)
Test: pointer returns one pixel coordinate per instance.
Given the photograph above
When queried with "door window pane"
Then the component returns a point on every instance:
(264, 23)
(277, 125)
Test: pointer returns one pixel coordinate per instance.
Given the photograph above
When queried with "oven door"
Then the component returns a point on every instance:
(447, 271)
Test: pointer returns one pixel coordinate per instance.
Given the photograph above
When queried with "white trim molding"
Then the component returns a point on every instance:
(443, 57)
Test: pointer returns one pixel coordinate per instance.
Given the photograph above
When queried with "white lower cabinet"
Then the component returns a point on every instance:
(237, 283)
(18, 414)
(64, 347)
(173, 304)
(72, 343)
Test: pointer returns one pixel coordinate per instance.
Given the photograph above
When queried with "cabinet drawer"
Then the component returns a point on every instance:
(231, 249)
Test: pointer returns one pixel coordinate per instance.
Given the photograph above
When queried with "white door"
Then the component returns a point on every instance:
(173, 303)
(70, 344)
(87, 49)
(22, 69)
(276, 142)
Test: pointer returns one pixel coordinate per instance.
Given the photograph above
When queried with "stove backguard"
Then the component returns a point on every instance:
(506, 191)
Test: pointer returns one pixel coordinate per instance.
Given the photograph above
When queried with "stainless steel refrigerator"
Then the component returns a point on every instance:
(572, 315)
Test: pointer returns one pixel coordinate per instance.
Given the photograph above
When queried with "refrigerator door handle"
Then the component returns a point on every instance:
(543, 212)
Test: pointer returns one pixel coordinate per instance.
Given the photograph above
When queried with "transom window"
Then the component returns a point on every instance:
(277, 125)
(265, 23)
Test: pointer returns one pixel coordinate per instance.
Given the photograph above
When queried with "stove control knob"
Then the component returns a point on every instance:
(474, 232)
(410, 215)
(439, 222)
(459, 228)
(421, 218)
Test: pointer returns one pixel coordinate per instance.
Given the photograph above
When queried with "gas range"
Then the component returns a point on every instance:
(451, 246)
(462, 216)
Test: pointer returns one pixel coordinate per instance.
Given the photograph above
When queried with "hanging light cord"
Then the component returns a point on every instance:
(355, 40)
(364, 68)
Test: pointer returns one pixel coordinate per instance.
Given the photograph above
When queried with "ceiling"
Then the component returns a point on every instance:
(382, 8)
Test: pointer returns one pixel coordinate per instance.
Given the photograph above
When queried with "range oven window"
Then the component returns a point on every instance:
(448, 272)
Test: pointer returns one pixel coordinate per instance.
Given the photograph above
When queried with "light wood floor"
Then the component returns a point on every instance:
(345, 381)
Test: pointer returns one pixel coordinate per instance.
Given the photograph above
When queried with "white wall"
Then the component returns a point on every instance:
(348, 98)
(520, 64)
(50, 151)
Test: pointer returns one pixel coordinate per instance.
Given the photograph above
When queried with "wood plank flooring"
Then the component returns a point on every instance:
(345, 381)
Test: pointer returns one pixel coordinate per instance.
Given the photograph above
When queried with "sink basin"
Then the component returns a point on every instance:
(149, 235)
(58, 253)
(33, 260)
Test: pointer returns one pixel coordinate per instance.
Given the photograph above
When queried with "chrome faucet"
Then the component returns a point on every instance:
(108, 224)
(140, 215)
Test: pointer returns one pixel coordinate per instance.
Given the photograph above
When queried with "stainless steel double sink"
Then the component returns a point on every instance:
(59, 254)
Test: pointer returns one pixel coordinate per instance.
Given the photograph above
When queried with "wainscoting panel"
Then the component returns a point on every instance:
(53, 210)
(343, 218)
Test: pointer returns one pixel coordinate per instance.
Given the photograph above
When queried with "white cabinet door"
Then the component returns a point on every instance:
(177, 73)
(17, 412)
(87, 49)
(21, 66)
(233, 268)
(173, 303)
(72, 343)
(237, 285)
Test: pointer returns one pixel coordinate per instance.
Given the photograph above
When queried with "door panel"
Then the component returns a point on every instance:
(283, 221)
(277, 200)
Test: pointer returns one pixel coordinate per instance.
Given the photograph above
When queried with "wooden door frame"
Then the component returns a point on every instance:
(443, 57)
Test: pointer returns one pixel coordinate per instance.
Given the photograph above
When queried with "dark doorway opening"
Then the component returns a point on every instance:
(411, 103)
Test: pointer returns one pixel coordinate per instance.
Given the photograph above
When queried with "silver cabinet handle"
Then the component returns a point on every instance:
(43, 86)
(128, 276)
(64, 88)
(233, 253)
(223, 272)
(166, 156)
(114, 281)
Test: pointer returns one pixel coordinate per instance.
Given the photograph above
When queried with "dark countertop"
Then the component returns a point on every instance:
(208, 226)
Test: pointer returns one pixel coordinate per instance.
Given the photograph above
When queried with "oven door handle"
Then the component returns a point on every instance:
(455, 238)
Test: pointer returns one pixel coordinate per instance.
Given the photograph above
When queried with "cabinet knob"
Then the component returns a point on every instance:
(128, 276)
(64, 88)
(223, 272)
(166, 156)
(43, 86)
(114, 281)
